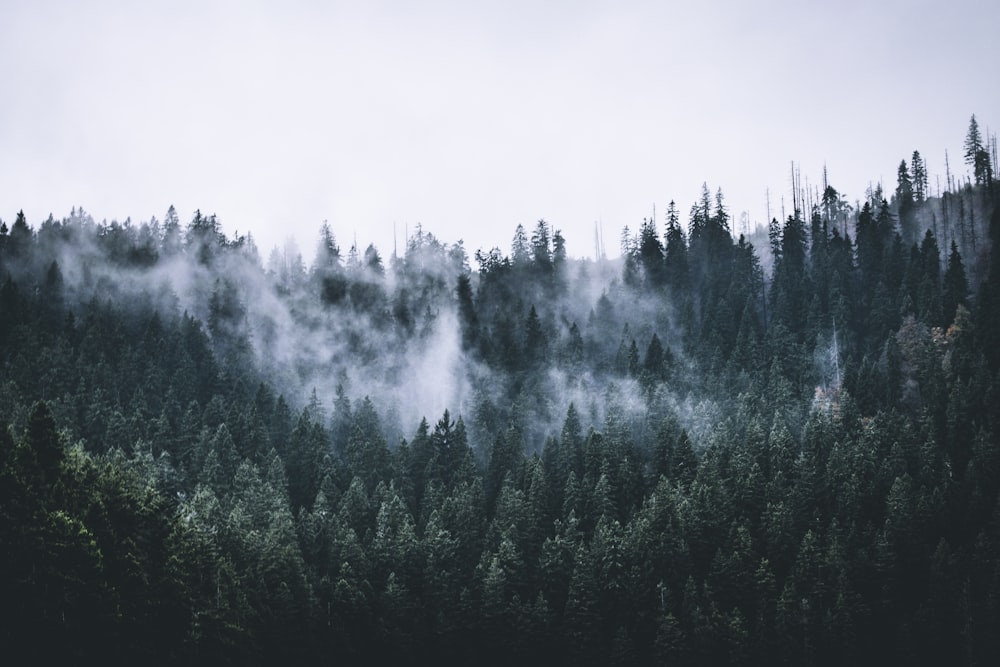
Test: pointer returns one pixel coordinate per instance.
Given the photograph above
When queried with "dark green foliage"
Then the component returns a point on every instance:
(955, 291)
(707, 464)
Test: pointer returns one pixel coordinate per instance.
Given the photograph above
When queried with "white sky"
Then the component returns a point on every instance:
(472, 117)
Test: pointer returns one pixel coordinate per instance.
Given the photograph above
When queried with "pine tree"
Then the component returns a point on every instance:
(919, 177)
(675, 250)
(956, 286)
(904, 202)
(535, 340)
(541, 251)
(520, 250)
(790, 287)
(327, 250)
(976, 154)
(632, 360)
(559, 260)
(927, 296)
(20, 238)
(651, 254)
(652, 363)
(450, 447)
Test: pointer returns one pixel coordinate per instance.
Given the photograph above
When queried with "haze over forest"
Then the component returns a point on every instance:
(473, 117)
(724, 446)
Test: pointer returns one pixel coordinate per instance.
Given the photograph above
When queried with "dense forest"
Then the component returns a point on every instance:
(775, 449)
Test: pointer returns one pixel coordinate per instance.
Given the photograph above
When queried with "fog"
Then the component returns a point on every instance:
(532, 333)
(388, 329)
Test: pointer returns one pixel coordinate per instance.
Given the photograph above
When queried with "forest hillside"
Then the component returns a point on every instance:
(780, 448)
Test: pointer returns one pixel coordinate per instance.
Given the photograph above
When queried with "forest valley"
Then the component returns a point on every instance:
(775, 449)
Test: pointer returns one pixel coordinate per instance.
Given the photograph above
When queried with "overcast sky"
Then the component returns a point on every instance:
(471, 117)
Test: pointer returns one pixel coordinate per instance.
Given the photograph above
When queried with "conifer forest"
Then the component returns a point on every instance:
(726, 446)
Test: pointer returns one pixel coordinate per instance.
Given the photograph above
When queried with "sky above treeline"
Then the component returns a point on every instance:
(472, 117)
